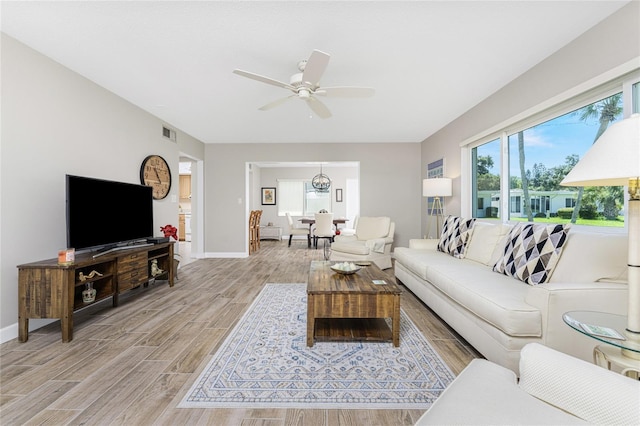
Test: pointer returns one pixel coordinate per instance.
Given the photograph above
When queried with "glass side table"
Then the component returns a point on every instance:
(623, 352)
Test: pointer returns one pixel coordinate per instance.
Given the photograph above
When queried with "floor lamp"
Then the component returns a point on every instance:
(614, 160)
(436, 188)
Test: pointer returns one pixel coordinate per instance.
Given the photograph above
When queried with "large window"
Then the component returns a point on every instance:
(299, 198)
(315, 201)
(486, 180)
(537, 158)
(542, 155)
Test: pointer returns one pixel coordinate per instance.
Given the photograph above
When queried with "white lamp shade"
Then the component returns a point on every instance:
(436, 187)
(613, 158)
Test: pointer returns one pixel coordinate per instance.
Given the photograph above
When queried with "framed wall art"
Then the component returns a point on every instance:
(338, 195)
(268, 196)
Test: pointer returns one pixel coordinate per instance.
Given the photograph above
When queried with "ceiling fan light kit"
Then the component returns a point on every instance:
(306, 85)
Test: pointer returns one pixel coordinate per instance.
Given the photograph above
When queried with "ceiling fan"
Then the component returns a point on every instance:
(305, 85)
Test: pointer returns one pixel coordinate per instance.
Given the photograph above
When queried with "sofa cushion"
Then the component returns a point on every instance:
(455, 235)
(351, 247)
(532, 252)
(483, 246)
(497, 299)
(578, 387)
(419, 261)
(591, 256)
(370, 228)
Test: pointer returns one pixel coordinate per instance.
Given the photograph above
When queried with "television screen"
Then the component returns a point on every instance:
(102, 213)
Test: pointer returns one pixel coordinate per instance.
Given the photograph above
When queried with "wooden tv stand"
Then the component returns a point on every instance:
(49, 290)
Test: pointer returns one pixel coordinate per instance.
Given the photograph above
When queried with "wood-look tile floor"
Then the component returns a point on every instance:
(131, 365)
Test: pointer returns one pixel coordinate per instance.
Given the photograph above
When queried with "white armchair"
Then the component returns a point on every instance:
(554, 389)
(372, 241)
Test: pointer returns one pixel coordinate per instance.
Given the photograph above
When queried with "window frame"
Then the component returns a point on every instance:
(304, 204)
(623, 83)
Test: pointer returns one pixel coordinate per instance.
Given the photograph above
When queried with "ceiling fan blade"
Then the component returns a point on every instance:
(276, 103)
(346, 92)
(318, 107)
(263, 79)
(313, 70)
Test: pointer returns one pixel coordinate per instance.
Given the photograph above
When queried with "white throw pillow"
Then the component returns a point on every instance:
(455, 235)
(484, 240)
(532, 252)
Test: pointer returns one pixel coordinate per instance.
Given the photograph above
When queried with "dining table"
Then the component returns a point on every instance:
(311, 221)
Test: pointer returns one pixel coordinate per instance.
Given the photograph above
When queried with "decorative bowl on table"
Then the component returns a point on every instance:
(345, 268)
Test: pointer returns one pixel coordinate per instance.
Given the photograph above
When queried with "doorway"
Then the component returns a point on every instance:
(185, 210)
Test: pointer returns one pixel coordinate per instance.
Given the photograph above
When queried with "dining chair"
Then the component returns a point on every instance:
(324, 229)
(293, 230)
(254, 226)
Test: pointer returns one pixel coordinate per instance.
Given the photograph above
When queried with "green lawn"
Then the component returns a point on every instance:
(588, 222)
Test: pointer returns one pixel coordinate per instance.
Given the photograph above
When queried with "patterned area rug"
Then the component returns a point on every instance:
(265, 362)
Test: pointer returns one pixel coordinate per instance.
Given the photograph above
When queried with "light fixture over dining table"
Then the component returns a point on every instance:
(321, 182)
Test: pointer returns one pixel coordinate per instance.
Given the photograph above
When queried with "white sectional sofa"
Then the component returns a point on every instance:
(499, 314)
(554, 389)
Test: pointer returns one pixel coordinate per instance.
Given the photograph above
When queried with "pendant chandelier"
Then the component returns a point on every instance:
(321, 182)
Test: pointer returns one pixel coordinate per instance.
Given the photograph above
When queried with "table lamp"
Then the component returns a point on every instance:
(614, 160)
(436, 188)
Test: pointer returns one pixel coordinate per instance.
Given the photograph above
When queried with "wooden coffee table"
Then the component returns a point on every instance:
(351, 307)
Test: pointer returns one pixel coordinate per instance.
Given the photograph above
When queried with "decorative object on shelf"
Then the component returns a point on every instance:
(436, 188)
(613, 160)
(66, 256)
(82, 277)
(170, 231)
(268, 196)
(89, 293)
(155, 270)
(155, 172)
(321, 182)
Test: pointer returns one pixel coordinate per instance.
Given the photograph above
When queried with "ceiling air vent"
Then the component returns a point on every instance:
(169, 133)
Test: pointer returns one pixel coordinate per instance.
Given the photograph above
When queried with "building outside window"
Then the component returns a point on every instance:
(527, 166)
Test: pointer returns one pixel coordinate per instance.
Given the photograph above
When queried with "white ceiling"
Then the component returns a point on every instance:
(429, 61)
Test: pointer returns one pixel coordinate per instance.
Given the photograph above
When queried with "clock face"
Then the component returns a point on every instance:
(155, 173)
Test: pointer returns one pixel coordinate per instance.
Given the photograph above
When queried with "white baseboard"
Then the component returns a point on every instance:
(11, 332)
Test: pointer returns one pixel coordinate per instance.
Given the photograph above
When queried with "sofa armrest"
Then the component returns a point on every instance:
(578, 387)
(423, 244)
(555, 299)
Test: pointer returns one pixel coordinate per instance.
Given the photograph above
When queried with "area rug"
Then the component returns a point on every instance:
(265, 362)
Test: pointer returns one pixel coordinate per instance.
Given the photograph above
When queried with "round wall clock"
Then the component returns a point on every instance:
(155, 173)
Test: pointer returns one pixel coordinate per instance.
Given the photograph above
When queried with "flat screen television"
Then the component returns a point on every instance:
(103, 214)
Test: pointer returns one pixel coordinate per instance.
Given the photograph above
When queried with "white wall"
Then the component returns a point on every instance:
(390, 185)
(613, 43)
(55, 122)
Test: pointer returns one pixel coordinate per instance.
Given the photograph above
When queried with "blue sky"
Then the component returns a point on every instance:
(548, 143)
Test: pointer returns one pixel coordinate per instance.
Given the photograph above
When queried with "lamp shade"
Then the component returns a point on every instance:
(613, 158)
(436, 187)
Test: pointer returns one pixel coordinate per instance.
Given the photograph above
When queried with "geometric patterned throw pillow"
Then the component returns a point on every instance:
(455, 236)
(532, 252)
